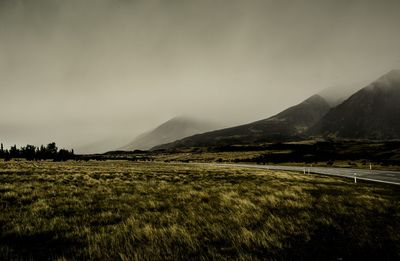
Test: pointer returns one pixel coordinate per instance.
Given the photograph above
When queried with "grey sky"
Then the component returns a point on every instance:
(78, 72)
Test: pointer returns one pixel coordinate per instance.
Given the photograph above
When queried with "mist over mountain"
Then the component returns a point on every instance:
(335, 95)
(174, 129)
(290, 124)
(371, 113)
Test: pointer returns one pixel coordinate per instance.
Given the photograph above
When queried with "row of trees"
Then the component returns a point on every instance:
(30, 152)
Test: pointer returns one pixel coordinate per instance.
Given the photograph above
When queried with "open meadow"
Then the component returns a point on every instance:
(124, 210)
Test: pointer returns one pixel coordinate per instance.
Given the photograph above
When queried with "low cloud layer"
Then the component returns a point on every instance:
(78, 72)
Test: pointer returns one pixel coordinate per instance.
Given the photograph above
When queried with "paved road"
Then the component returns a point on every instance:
(383, 176)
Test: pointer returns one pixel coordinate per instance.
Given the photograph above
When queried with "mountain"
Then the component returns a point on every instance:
(335, 95)
(287, 125)
(174, 129)
(371, 113)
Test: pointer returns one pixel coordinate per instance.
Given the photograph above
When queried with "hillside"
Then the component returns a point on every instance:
(335, 95)
(288, 125)
(174, 129)
(371, 113)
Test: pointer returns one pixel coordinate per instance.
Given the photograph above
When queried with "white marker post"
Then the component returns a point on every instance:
(355, 178)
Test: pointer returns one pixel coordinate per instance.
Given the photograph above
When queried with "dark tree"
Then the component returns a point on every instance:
(51, 150)
(41, 153)
(28, 152)
(63, 155)
(7, 156)
(14, 152)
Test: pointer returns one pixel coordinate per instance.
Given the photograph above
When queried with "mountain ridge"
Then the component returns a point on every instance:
(288, 124)
(171, 130)
(370, 113)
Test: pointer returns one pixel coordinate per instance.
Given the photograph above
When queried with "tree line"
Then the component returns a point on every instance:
(31, 152)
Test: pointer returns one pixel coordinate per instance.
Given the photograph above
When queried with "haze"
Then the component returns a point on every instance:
(80, 72)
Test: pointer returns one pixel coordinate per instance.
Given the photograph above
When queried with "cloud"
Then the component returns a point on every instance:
(83, 71)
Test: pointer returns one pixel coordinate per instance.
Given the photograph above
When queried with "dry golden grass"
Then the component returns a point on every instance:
(248, 157)
(121, 210)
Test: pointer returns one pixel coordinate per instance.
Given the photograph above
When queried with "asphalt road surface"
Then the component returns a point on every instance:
(382, 176)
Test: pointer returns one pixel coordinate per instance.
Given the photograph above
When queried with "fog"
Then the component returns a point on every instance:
(80, 72)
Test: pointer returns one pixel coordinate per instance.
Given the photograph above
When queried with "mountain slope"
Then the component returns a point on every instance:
(371, 113)
(174, 129)
(289, 124)
(337, 94)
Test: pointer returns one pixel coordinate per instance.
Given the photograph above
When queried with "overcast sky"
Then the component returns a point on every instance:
(78, 72)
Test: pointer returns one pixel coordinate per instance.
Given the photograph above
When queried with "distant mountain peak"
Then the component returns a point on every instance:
(176, 128)
(286, 125)
(389, 80)
(371, 113)
(316, 98)
(394, 72)
(337, 94)
(181, 118)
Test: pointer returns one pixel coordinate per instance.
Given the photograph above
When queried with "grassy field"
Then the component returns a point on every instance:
(121, 210)
(246, 156)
